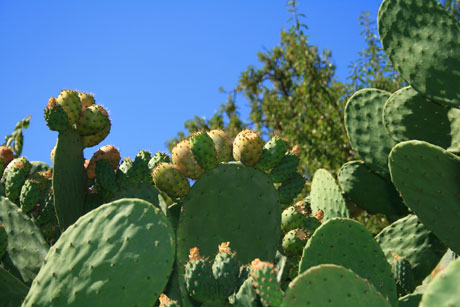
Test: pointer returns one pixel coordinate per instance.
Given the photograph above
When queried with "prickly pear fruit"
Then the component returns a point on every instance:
(71, 104)
(157, 158)
(226, 270)
(199, 279)
(263, 276)
(86, 100)
(183, 158)
(93, 119)
(165, 301)
(294, 241)
(272, 154)
(106, 152)
(94, 139)
(223, 145)
(248, 147)
(14, 177)
(203, 150)
(55, 116)
(6, 155)
(3, 240)
(285, 169)
(294, 216)
(169, 179)
(33, 191)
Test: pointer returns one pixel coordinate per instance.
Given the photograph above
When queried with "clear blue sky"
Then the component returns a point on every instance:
(152, 64)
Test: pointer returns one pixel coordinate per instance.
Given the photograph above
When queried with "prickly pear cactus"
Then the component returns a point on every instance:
(90, 263)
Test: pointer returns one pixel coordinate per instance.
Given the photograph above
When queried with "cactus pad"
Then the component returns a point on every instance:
(421, 39)
(428, 178)
(348, 243)
(332, 285)
(366, 131)
(326, 196)
(108, 257)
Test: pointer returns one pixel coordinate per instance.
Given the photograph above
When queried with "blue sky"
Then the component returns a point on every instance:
(152, 64)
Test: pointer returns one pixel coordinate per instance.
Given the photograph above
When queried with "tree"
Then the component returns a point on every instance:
(292, 94)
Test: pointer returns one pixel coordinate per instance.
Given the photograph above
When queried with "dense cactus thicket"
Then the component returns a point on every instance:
(217, 222)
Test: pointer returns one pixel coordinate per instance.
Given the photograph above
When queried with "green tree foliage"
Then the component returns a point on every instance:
(293, 94)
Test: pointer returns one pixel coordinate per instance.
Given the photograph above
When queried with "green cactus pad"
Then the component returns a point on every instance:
(3, 240)
(106, 178)
(226, 271)
(326, 196)
(348, 243)
(203, 150)
(366, 131)
(143, 191)
(286, 168)
(370, 191)
(157, 158)
(26, 246)
(272, 154)
(13, 290)
(14, 177)
(332, 285)
(403, 274)
(56, 117)
(408, 115)
(30, 194)
(264, 280)
(294, 241)
(231, 203)
(120, 254)
(409, 238)
(199, 280)
(428, 179)
(69, 178)
(296, 216)
(290, 188)
(421, 39)
(247, 295)
(38, 167)
(444, 289)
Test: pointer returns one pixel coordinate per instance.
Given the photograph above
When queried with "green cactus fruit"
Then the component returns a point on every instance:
(13, 290)
(6, 155)
(427, 178)
(15, 175)
(294, 241)
(285, 168)
(3, 240)
(93, 119)
(47, 220)
(326, 196)
(71, 104)
(223, 145)
(226, 271)
(294, 216)
(408, 115)
(55, 116)
(182, 157)
(106, 182)
(366, 131)
(106, 257)
(169, 179)
(157, 158)
(409, 238)
(141, 170)
(443, 290)
(290, 188)
(32, 192)
(348, 243)
(124, 173)
(264, 280)
(94, 139)
(332, 285)
(203, 150)
(420, 38)
(410, 300)
(165, 301)
(106, 152)
(370, 191)
(199, 279)
(273, 152)
(26, 246)
(403, 274)
(86, 100)
(248, 147)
